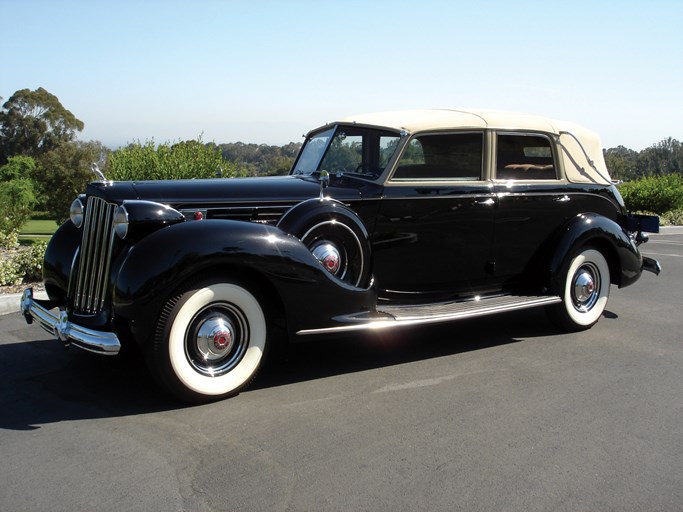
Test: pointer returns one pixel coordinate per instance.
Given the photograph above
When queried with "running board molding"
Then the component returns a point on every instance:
(388, 317)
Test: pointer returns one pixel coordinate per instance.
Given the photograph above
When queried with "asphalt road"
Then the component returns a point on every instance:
(493, 414)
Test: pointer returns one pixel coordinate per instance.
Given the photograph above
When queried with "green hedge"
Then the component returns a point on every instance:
(658, 194)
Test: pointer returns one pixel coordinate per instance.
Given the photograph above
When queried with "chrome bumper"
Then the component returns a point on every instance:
(651, 265)
(57, 323)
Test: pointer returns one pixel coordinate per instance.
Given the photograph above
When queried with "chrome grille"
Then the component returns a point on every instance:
(95, 257)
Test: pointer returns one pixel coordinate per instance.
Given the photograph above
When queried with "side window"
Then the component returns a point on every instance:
(356, 150)
(387, 148)
(345, 153)
(452, 156)
(524, 157)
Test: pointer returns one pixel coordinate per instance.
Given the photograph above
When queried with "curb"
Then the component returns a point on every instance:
(669, 230)
(9, 303)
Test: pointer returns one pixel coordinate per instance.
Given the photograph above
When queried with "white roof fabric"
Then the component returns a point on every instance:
(581, 149)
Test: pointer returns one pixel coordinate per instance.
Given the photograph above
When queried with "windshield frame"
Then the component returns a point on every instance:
(335, 129)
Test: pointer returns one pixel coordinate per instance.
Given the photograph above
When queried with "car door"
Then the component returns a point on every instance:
(435, 223)
(532, 204)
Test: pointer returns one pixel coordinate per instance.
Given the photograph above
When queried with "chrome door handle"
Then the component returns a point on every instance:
(487, 202)
(562, 199)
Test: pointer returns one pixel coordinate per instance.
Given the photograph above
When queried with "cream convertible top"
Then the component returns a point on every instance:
(581, 149)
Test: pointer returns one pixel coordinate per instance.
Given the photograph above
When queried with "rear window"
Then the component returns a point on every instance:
(524, 157)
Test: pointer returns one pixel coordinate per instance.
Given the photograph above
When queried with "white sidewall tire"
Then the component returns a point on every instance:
(587, 318)
(247, 366)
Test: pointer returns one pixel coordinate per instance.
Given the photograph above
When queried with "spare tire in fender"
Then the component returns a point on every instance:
(335, 235)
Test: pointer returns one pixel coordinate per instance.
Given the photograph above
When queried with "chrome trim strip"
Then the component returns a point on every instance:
(99, 342)
(109, 249)
(471, 309)
(443, 196)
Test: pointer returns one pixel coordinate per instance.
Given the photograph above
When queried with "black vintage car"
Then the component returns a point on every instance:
(386, 220)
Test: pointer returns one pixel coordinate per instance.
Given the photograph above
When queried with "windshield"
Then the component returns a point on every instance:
(353, 150)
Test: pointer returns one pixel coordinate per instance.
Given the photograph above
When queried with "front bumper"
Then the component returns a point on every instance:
(57, 323)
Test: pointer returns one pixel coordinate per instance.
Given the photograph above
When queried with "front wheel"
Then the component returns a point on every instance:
(584, 293)
(210, 342)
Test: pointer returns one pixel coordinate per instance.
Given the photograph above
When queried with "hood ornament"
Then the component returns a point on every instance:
(96, 171)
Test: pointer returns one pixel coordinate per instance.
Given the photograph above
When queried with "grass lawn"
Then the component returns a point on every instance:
(36, 230)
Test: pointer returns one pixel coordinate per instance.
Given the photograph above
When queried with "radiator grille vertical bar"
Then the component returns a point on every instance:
(95, 257)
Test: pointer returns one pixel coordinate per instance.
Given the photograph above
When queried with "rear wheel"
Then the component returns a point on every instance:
(210, 341)
(585, 291)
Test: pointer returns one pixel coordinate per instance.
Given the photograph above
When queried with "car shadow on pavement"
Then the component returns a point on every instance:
(42, 383)
(312, 360)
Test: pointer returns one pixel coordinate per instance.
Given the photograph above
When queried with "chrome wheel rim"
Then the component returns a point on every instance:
(585, 287)
(217, 339)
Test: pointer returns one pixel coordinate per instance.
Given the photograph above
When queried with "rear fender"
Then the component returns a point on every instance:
(585, 229)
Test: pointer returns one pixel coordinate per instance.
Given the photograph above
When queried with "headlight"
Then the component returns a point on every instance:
(76, 213)
(121, 221)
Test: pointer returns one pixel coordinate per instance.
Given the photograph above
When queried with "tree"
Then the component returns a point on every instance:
(665, 157)
(17, 198)
(18, 167)
(621, 162)
(63, 173)
(33, 123)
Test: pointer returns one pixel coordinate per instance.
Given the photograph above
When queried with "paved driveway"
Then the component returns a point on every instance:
(493, 414)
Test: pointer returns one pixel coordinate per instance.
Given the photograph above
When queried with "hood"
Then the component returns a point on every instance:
(190, 193)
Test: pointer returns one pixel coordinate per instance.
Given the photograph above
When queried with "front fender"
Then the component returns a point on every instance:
(58, 260)
(625, 261)
(169, 258)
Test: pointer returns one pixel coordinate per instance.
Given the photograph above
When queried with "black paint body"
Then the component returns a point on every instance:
(429, 243)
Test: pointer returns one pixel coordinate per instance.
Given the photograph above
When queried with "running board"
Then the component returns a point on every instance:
(388, 317)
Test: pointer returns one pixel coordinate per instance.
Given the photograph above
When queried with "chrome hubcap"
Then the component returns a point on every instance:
(338, 249)
(586, 287)
(327, 254)
(215, 338)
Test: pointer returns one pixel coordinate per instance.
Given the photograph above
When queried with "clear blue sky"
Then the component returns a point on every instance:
(267, 71)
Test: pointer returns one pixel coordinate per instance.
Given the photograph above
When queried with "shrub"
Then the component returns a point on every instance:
(16, 200)
(9, 272)
(30, 261)
(9, 239)
(22, 265)
(658, 194)
(183, 160)
(674, 217)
